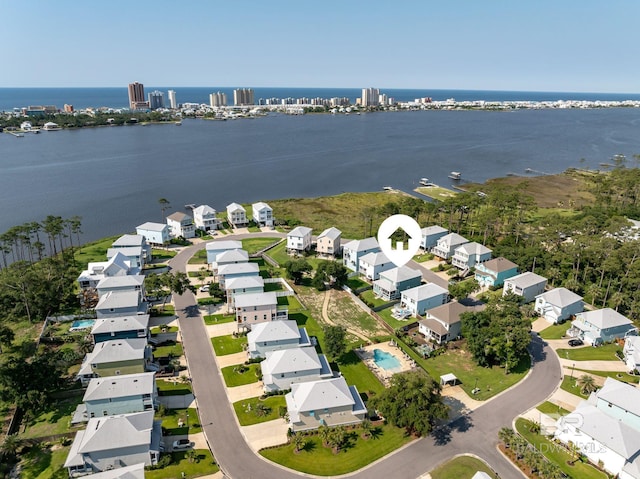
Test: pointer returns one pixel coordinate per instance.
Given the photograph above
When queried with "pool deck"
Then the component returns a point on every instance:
(366, 355)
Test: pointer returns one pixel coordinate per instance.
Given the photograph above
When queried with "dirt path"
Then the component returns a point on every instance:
(325, 316)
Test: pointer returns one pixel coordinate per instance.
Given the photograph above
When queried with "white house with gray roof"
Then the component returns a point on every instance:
(285, 367)
(431, 235)
(120, 327)
(130, 282)
(214, 248)
(274, 336)
(237, 215)
(115, 358)
(121, 303)
(528, 285)
(118, 265)
(330, 402)
(129, 472)
(243, 285)
(558, 305)
(135, 255)
(181, 225)
(393, 282)
(442, 323)
(421, 298)
(205, 218)
(262, 214)
(328, 243)
(356, 249)
(631, 352)
(155, 233)
(372, 264)
(469, 254)
(447, 244)
(601, 326)
(254, 308)
(133, 241)
(126, 394)
(233, 256)
(236, 270)
(112, 442)
(299, 239)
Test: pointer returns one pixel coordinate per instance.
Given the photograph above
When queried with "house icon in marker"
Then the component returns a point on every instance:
(400, 253)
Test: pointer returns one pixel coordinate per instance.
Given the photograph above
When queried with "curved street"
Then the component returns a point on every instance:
(474, 433)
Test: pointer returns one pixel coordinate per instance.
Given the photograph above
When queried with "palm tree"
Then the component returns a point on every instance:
(506, 435)
(164, 205)
(587, 384)
(336, 438)
(366, 428)
(11, 445)
(298, 442)
(324, 433)
(534, 426)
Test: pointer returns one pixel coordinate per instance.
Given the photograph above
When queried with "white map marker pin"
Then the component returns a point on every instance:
(399, 253)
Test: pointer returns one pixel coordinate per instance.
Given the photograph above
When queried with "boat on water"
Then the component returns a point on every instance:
(424, 181)
(178, 123)
(387, 188)
(455, 175)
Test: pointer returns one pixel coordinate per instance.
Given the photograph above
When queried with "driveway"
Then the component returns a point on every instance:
(266, 434)
(224, 329)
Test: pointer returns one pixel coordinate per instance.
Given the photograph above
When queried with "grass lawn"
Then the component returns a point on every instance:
(174, 350)
(159, 330)
(421, 258)
(94, 252)
(314, 458)
(588, 353)
(569, 384)
(344, 311)
(44, 463)
(357, 373)
(171, 418)
(279, 253)
(158, 310)
(290, 301)
(550, 408)
(558, 454)
(223, 345)
(620, 376)
(386, 316)
(56, 420)
(356, 283)
(304, 318)
(202, 466)
(168, 388)
(436, 192)
(461, 467)
(268, 287)
(219, 319)
(162, 253)
(248, 413)
(369, 298)
(199, 258)
(253, 245)
(232, 376)
(555, 331)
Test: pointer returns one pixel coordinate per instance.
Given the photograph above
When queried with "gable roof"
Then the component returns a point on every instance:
(223, 245)
(273, 331)
(151, 226)
(448, 313)
(362, 245)
(119, 299)
(117, 350)
(233, 207)
(179, 216)
(560, 297)
(432, 230)
(129, 472)
(128, 251)
(604, 318)
(473, 248)
(424, 291)
(256, 299)
(115, 432)
(452, 239)
(129, 280)
(236, 268)
(526, 279)
(318, 395)
(397, 275)
(112, 387)
(129, 240)
(232, 255)
(290, 360)
(261, 205)
(374, 259)
(203, 210)
(497, 265)
(623, 395)
(331, 233)
(244, 282)
(118, 262)
(300, 231)
(120, 323)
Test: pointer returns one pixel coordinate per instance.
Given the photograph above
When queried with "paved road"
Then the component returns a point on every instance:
(475, 433)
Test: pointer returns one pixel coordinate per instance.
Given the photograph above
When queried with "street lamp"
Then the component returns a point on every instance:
(572, 368)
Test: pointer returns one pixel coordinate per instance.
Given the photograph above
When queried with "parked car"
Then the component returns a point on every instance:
(182, 444)
(204, 288)
(575, 342)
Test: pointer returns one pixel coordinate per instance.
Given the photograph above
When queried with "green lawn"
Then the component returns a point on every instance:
(356, 283)
(94, 252)
(369, 298)
(168, 388)
(269, 287)
(550, 408)
(461, 467)
(159, 330)
(219, 319)
(569, 384)
(174, 350)
(386, 316)
(162, 253)
(421, 258)
(290, 301)
(43, 463)
(558, 455)
(346, 311)
(200, 257)
(191, 425)
(203, 465)
(249, 413)
(233, 377)
(279, 253)
(436, 192)
(620, 376)
(253, 245)
(314, 458)
(224, 345)
(555, 331)
(56, 420)
(358, 374)
(304, 318)
(588, 353)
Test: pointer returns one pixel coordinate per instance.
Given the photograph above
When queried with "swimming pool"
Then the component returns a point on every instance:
(82, 324)
(385, 360)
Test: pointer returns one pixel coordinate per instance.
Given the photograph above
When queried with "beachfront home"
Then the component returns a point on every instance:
(118, 265)
(492, 273)
(181, 225)
(243, 285)
(423, 297)
(253, 308)
(121, 303)
(299, 240)
(442, 324)
(113, 442)
(274, 336)
(394, 281)
(125, 394)
(431, 235)
(601, 326)
(233, 256)
(330, 402)
(214, 248)
(372, 264)
(134, 254)
(328, 243)
(285, 367)
(558, 305)
(466, 256)
(205, 219)
(262, 214)
(113, 358)
(528, 285)
(237, 215)
(446, 245)
(236, 270)
(356, 249)
(631, 352)
(133, 241)
(120, 327)
(130, 282)
(154, 233)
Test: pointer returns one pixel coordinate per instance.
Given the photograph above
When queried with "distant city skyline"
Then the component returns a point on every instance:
(570, 46)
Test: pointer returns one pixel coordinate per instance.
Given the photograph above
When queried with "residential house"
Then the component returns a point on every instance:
(299, 240)
(558, 305)
(118, 265)
(528, 285)
(328, 243)
(262, 214)
(237, 216)
(130, 282)
(181, 225)
(492, 273)
(121, 303)
(129, 472)
(236, 270)
(214, 248)
(466, 256)
(274, 336)
(423, 297)
(154, 233)
(396, 280)
(126, 394)
(134, 241)
(233, 256)
(601, 326)
(243, 285)
(112, 442)
(631, 352)
(120, 327)
(442, 324)
(285, 367)
(330, 402)
(205, 219)
(431, 235)
(134, 254)
(447, 244)
(113, 358)
(253, 308)
(372, 264)
(356, 249)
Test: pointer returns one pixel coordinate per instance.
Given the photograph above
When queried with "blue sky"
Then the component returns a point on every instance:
(542, 45)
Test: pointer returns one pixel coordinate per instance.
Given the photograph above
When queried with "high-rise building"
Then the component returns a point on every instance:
(217, 99)
(370, 96)
(136, 95)
(156, 100)
(173, 104)
(243, 96)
